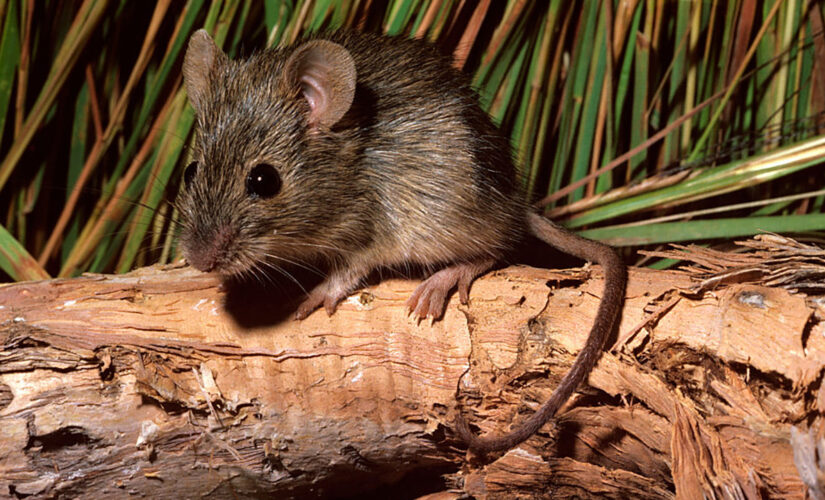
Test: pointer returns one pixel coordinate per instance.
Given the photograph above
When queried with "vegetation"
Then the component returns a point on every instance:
(642, 122)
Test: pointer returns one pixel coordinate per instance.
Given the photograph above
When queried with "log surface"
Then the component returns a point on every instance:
(161, 384)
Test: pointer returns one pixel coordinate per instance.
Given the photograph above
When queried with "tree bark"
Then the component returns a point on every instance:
(162, 384)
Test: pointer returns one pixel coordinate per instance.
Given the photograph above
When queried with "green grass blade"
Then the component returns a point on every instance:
(16, 261)
(695, 230)
(716, 181)
(574, 94)
(9, 58)
(77, 153)
(587, 126)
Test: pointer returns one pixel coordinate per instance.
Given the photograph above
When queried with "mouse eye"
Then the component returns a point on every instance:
(189, 173)
(263, 181)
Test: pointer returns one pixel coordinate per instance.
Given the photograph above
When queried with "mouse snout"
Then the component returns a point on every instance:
(202, 260)
(210, 252)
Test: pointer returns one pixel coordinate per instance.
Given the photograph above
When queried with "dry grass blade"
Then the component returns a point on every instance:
(769, 259)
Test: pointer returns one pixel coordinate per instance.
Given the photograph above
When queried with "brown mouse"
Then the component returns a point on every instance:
(361, 151)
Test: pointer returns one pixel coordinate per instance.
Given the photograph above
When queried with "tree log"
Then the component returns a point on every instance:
(163, 384)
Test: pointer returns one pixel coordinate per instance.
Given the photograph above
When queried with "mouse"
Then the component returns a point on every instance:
(356, 152)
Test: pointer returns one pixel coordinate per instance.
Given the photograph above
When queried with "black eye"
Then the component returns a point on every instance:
(189, 173)
(263, 181)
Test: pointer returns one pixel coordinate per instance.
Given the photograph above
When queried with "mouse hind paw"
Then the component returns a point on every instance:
(431, 297)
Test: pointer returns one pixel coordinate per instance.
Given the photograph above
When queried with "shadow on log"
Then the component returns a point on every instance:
(146, 384)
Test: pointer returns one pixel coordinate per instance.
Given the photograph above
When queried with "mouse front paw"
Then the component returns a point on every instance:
(329, 294)
(315, 300)
(310, 304)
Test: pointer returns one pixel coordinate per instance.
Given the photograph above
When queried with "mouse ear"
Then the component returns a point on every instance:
(326, 73)
(202, 55)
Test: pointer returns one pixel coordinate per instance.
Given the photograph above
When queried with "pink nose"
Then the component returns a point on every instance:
(202, 259)
(209, 254)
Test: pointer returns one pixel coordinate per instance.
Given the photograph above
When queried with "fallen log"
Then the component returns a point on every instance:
(163, 384)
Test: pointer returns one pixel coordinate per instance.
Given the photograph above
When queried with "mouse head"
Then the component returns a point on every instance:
(323, 70)
(266, 155)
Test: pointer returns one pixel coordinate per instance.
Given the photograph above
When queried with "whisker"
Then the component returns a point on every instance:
(307, 267)
(283, 272)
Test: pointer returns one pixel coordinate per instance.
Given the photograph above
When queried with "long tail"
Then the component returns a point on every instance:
(611, 303)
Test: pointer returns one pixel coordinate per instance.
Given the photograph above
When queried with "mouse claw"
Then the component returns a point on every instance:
(420, 312)
(310, 304)
(414, 318)
(302, 313)
(464, 290)
(331, 302)
(417, 316)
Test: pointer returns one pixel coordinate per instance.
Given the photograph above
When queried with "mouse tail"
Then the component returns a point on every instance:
(611, 303)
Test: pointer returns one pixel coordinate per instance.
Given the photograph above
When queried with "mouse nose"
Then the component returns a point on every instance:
(210, 253)
(201, 260)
